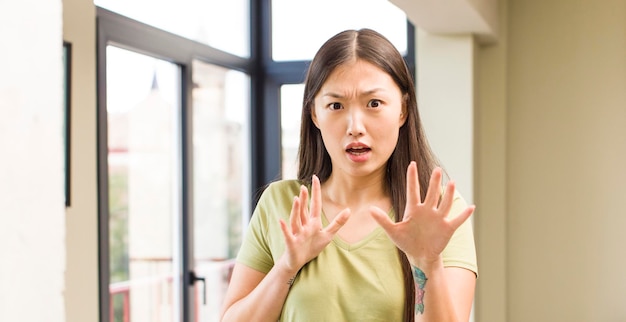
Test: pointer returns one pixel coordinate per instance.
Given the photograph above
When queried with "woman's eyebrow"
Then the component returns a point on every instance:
(373, 91)
(332, 94)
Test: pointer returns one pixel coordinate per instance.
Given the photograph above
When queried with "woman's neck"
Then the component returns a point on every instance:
(348, 191)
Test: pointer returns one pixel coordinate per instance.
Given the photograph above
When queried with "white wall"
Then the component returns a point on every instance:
(445, 95)
(32, 233)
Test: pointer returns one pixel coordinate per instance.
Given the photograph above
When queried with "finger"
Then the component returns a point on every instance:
(304, 213)
(382, 218)
(338, 222)
(412, 184)
(434, 190)
(294, 217)
(316, 197)
(462, 217)
(286, 232)
(448, 197)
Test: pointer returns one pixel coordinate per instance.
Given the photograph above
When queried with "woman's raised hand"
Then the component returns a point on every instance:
(426, 227)
(305, 237)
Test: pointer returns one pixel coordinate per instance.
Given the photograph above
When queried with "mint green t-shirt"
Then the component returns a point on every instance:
(345, 282)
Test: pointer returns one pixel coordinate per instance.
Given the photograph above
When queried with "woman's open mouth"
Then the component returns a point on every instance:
(358, 152)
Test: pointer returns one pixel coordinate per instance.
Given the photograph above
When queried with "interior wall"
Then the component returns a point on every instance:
(445, 95)
(32, 228)
(490, 174)
(566, 151)
(81, 294)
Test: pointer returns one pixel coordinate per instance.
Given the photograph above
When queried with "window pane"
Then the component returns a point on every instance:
(298, 34)
(220, 24)
(220, 177)
(143, 96)
(290, 117)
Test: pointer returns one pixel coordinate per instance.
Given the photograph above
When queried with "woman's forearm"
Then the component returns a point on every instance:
(265, 301)
(433, 299)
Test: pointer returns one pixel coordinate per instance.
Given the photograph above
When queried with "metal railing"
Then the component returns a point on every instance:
(161, 283)
(159, 290)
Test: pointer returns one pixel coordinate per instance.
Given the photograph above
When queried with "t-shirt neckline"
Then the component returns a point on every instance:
(337, 240)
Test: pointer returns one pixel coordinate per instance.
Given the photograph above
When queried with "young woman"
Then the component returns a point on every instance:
(379, 239)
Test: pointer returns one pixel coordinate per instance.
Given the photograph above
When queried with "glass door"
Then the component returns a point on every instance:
(220, 179)
(144, 187)
(165, 264)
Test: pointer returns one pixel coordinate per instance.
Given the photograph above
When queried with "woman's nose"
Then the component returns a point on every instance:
(355, 123)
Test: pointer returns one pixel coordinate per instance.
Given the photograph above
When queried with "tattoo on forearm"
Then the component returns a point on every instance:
(291, 280)
(420, 285)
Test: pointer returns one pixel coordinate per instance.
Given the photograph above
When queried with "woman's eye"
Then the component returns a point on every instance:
(334, 106)
(374, 103)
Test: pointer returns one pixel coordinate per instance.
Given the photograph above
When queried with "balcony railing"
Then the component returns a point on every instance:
(158, 284)
(154, 294)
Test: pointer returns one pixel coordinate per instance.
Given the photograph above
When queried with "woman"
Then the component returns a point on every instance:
(373, 244)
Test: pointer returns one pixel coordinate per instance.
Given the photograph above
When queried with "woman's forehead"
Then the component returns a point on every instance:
(360, 76)
(355, 66)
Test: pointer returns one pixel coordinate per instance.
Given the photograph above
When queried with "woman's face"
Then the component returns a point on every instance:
(359, 111)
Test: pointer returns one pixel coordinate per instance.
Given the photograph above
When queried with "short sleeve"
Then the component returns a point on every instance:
(255, 250)
(263, 242)
(461, 249)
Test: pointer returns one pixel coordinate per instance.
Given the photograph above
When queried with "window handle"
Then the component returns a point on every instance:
(193, 278)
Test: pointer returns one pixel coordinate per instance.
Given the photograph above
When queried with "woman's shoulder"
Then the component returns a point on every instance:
(277, 198)
(281, 189)
(287, 186)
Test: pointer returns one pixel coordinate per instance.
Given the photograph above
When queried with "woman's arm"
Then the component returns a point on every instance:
(445, 294)
(442, 294)
(255, 294)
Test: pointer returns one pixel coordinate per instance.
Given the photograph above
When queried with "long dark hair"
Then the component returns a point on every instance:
(370, 46)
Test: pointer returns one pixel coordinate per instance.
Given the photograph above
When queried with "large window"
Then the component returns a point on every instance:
(220, 157)
(220, 24)
(174, 171)
(198, 109)
(143, 116)
(300, 28)
(291, 107)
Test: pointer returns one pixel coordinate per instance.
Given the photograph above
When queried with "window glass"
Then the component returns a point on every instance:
(143, 113)
(221, 24)
(299, 29)
(290, 119)
(220, 178)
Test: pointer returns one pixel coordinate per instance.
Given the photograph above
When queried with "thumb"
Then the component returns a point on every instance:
(381, 218)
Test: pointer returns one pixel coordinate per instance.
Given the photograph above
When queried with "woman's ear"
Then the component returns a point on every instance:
(403, 112)
(314, 116)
